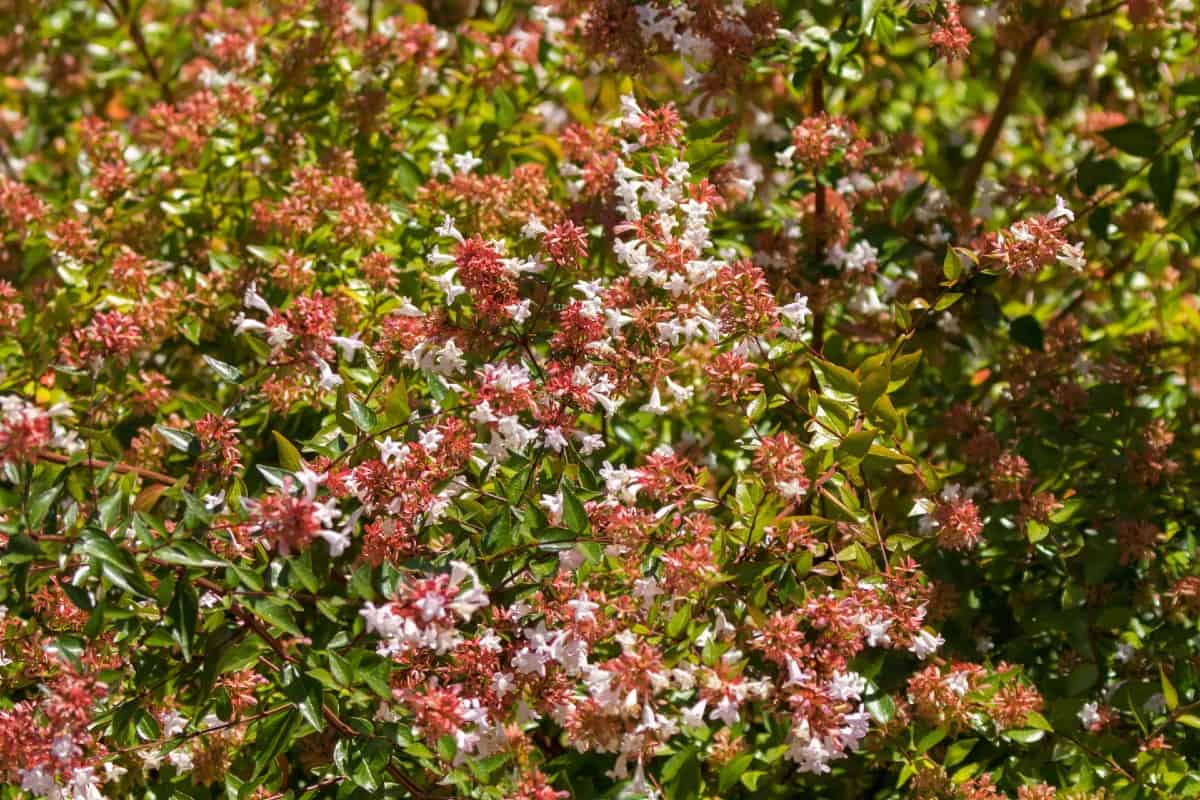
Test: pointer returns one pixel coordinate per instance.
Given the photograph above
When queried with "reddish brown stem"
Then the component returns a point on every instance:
(97, 463)
(1004, 107)
(819, 212)
(139, 41)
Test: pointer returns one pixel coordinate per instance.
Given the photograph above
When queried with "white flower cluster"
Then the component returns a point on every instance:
(434, 626)
(83, 784)
(17, 413)
(814, 752)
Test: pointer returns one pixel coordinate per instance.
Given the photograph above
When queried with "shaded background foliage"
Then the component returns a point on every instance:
(947, 261)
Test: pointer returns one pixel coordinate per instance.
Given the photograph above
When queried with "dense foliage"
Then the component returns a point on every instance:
(598, 398)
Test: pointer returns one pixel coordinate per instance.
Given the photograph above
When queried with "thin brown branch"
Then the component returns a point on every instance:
(1097, 14)
(139, 41)
(819, 212)
(334, 781)
(203, 731)
(98, 463)
(1004, 107)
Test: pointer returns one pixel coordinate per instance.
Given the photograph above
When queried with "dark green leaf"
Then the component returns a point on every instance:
(574, 515)
(1164, 175)
(1094, 174)
(183, 613)
(114, 564)
(1133, 138)
(272, 736)
(854, 447)
(903, 208)
(1028, 331)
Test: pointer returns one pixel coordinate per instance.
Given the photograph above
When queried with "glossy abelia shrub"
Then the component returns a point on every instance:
(529, 401)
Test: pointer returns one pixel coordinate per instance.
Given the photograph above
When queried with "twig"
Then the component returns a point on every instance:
(97, 463)
(1097, 14)
(1004, 107)
(212, 729)
(819, 201)
(139, 41)
(335, 780)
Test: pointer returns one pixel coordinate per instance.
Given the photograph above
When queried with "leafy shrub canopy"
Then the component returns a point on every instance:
(599, 398)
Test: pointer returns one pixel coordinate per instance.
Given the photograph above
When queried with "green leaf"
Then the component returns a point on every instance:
(902, 369)
(958, 751)
(952, 266)
(306, 693)
(903, 208)
(733, 771)
(854, 447)
(376, 671)
(679, 620)
(946, 300)
(226, 372)
(265, 252)
(835, 377)
(395, 405)
(707, 128)
(274, 475)
(300, 568)
(888, 453)
(1025, 735)
(1170, 696)
(506, 109)
(189, 554)
(1082, 678)
(110, 509)
(289, 456)
(926, 742)
(1164, 175)
(408, 177)
(277, 614)
(1093, 174)
(272, 736)
(1191, 86)
(183, 613)
(180, 440)
(499, 533)
(40, 505)
(114, 564)
(882, 708)
(1133, 138)
(447, 748)
(681, 775)
(869, 9)
(1035, 720)
(757, 406)
(1028, 331)
(341, 670)
(574, 515)
(362, 415)
(873, 385)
